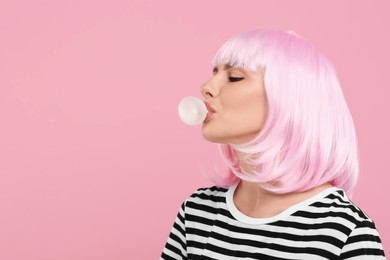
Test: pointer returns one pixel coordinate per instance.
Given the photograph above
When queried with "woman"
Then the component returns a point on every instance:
(277, 112)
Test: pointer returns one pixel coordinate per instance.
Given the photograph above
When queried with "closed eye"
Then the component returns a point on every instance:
(234, 79)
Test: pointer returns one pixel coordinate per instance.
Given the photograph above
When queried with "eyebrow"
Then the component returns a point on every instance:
(227, 66)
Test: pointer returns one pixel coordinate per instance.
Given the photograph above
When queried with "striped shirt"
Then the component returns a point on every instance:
(325, 226)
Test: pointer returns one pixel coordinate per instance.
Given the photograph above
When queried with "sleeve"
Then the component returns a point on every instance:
(176, 247)
(363, 243)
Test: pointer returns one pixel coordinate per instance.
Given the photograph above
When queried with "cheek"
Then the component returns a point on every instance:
(245, 113)
(235, 97)
(245, 103)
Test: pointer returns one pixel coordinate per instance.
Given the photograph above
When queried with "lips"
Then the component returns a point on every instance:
(210, 113)
(209, 107)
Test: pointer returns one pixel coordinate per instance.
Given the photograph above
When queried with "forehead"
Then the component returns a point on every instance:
(222, 66)
(239, 68)
(226, 67)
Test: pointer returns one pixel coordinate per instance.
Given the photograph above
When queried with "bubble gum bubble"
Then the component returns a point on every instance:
(192, 111)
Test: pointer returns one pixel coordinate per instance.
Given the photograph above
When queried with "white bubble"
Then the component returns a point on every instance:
(192, 110)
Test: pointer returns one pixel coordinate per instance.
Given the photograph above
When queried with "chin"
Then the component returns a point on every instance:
(219, 139)
(211, 139)
(214, 138)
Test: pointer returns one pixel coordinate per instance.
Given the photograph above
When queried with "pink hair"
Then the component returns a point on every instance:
(309, 137)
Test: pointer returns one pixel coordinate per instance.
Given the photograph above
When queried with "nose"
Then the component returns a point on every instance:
(209, 89)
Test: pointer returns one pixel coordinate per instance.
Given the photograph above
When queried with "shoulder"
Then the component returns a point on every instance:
(210, 191)
(364, 239)
(207, 197)
(337, 212)
(338, 201)
(214, 193)
(345, 224)
(356, 219)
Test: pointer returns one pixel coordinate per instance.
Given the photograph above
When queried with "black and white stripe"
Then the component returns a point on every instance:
(326, 226)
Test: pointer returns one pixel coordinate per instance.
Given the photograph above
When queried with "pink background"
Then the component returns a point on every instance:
(94, 160)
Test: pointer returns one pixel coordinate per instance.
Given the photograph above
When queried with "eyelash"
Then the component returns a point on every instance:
(234, 79)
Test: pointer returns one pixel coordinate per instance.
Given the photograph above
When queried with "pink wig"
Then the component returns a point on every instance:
(309, 137)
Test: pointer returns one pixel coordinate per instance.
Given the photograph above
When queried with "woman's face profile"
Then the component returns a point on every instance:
(238, 97)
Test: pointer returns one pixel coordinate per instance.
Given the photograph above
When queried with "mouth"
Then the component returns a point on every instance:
(210, 113)
(209, 107)
(208, 116)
